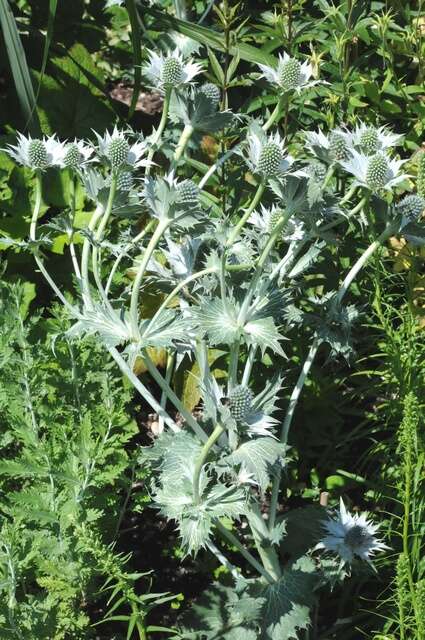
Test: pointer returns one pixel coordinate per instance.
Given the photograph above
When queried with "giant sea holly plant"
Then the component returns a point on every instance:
(228, 263)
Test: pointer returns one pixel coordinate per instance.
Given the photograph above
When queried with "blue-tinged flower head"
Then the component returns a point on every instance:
(370, 140)
(117, 148)
(377, 172)
(37, 153)
(411, 207)
(289, 75)
(77, 155)
(266, 155)
(350, 536)
(333, 147)
(171, 70)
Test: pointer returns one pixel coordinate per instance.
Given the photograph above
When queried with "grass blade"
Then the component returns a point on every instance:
(136, 42)
(50, 24)
(19, 68)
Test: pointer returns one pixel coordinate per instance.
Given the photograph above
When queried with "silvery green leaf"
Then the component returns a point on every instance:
(257, 456)
(225, 613)
(195, 529)
(263, 333)
(182, 257)
(288, 602)
(307, 260)
(219, 321)
(164, 330)
(114, 329)
(314, 192)
(291, 193)
(160, 195)
(277, 533)
(95, 185)
(267, 399)
(176, 454)
(221, 501)
(197, 111)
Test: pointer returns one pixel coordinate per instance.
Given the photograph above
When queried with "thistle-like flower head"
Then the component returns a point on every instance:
(119, 151)
(166, 71)
(333, 147)
(370, 140)
(411, 207)
(290, 74)
(376, 173)
(351, 535)
(77, 155)
(37, 153)
(338, 145)
(266, 155)
(188, 192)
(266, 218)
(212, 93)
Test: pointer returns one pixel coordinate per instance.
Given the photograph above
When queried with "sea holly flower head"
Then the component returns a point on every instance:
(212, 93)
(333, 147)
(77, 155)
(37, 153)
(266, 218)
(170, 71)
(119, 152)
(290, 74)
(370, 140)
(338, 145)
(376, 173)
(411, 207)
(266, 155)
(187, 192)
(350, 536)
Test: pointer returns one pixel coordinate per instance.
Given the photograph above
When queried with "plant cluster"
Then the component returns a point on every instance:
(234, 280)
(217, 261)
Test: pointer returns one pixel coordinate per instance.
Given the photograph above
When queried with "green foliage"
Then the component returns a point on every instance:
(64, 429)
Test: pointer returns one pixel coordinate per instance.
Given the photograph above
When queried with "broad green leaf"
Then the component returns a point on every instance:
(69, 104)
(209, 37)
(257, 456)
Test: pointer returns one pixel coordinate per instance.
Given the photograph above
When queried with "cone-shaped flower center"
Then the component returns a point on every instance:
(412, 206)
(172, 72)
(369, 141)
(72, 157)
(356, 536)
(188, 191)
(37, 154)
(212, 92)
(377, 172)
(338, 146)
(290, 74)
(125, 181)
(270, 159)
(118, 150)
(240, 402)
